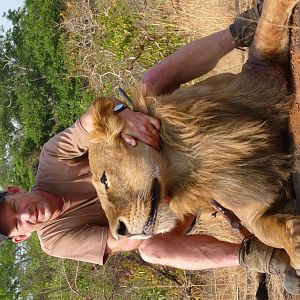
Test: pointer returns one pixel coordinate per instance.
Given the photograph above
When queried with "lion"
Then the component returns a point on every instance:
(224, 139)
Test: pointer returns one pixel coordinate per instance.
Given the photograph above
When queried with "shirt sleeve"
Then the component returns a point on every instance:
(70, 143)
(85, 244)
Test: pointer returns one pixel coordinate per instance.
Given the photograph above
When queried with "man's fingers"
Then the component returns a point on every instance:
(141, 127)
(148, 139)
(128, 139)
(151, 131)
(155, 123)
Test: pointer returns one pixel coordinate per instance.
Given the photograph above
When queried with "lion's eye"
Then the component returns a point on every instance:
(104, 181)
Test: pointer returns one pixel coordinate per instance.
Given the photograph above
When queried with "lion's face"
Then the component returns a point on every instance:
(130, 185)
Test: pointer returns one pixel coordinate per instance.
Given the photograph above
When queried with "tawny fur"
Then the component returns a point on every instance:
(232, 139)
(223, 139)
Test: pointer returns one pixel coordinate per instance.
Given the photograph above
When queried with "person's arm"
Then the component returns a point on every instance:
(187, 63)
(189, 252)
(200, 56)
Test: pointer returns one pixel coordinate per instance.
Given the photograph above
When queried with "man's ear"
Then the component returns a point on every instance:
(15, 189)
(20, 238)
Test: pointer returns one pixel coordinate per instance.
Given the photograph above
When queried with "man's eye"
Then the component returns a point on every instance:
(104, 181)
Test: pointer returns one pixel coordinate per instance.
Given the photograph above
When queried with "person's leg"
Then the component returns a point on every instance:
(256, 256)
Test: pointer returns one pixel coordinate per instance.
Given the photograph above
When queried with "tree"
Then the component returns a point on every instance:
(37, 98)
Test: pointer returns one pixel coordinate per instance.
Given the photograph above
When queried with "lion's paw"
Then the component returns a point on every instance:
(293, 234)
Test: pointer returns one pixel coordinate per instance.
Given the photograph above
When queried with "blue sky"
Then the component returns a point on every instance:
(5, 5)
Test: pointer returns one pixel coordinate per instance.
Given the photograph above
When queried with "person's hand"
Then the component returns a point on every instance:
(124, 244)
(244, 26)
(140, 126)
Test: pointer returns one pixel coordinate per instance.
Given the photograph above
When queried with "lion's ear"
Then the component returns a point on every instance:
(108, 125)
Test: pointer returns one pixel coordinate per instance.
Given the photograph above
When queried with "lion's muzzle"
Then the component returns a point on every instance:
(123, 230)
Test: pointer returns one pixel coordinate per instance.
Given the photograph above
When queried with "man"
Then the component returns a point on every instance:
(63, 207)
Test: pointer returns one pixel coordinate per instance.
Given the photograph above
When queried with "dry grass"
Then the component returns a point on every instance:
(189, 19)
(81, 20)
(197, 19)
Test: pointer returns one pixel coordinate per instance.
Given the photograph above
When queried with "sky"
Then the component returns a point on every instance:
(5, 5)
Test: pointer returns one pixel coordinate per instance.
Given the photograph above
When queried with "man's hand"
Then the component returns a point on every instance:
(137, 126)
(244, 26)
(140, 126)
(122, 245)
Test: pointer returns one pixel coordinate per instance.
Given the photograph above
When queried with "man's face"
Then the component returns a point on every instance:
(22, 213)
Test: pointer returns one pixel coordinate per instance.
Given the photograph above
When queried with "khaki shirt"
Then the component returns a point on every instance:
(80, 231)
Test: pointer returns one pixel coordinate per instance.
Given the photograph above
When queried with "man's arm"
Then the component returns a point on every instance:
(190, 252)
(187, 63)
(200, 56)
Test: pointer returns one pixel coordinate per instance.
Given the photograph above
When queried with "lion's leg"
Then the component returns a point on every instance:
(280, 231)
(271, 40)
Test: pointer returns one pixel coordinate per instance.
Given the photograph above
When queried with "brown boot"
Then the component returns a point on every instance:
(244, 26)
(256, 256)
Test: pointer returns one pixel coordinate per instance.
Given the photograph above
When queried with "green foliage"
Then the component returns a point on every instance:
(126, 35)
(37, 97)
(124, 44)
(28, 273)
(9, 283)
(120, 32)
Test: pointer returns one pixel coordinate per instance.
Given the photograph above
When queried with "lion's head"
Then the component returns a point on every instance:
(129, 180)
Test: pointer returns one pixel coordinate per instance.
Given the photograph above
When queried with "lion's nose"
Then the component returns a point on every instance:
(122, 229)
